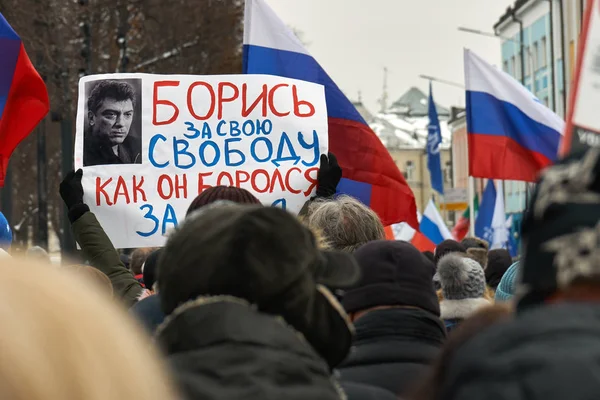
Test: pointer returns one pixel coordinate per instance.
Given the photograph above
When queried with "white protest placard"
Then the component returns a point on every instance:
(149, 144)
(583, 123)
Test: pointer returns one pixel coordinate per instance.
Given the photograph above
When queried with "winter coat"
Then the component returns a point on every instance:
(101, 254)
(149, 313)
(223, 348)
(548, 353)
(453, 312)
(393, 348)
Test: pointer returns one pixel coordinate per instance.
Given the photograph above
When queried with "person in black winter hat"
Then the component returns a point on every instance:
(551, 348)
(150, 269)
(446, 247)
(222, 193)
(247, 316)
(430, 256)
(498, 262)
(395, 311)
(560, 233)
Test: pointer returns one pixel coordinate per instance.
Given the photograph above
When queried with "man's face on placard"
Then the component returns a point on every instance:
(112, 121)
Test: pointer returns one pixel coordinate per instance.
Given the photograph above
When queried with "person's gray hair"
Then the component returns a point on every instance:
(345, 223)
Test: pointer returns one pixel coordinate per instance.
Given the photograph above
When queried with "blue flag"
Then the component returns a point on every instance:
(485, 215)
(434, 142)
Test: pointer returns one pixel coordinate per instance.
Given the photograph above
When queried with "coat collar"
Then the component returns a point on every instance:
(398, 323)
(461, 309)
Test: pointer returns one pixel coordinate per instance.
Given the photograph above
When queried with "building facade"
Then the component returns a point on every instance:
(402, 128)
(539, 48)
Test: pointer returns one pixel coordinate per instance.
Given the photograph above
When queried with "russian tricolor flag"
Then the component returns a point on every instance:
(23, 96)
(512, 135)
(370, 173)
(432, 230)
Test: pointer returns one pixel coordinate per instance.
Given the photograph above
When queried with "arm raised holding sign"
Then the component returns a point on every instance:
(328, 178)
(94, 242)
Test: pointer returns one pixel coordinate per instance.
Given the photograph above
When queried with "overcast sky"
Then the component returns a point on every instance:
(354, 39)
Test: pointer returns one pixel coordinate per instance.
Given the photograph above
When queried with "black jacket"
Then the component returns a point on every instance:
(548, 353)
(221, 348)
(98, 153)
(393, 348)
(360, 391)
(148, 312)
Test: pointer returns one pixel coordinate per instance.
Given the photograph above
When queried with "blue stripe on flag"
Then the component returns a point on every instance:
(489, 116)
(299, 66)
(358, 190)
(431, 230)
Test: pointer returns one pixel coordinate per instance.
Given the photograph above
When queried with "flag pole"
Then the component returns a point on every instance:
(471, 194)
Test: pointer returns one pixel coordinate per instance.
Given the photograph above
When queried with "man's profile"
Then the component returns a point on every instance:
(111, 111)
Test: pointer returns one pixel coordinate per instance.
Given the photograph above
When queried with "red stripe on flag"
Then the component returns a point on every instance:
(389, 233)
(422, 243)
(26, 105)
(363, 158)
(500, 157)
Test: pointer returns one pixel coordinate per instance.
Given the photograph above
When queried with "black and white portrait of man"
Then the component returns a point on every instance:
(113, 129)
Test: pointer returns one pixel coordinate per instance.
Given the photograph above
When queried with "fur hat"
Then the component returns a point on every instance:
(461, 277)
(473, 242)
(479, 255)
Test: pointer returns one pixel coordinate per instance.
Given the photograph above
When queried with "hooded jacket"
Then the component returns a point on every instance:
(393, 348)
(223, 348)
(102, 255)
(547, 353)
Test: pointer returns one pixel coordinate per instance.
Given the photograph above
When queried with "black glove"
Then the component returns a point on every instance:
(329, 176)
(71, 189)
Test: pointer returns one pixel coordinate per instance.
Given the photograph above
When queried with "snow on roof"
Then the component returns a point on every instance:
(395, 131)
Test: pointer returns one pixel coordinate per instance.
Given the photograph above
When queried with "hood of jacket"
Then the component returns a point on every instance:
(215, 340)
(548, 353)
(393, 347)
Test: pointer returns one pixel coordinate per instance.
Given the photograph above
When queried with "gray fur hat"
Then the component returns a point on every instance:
(461, 277)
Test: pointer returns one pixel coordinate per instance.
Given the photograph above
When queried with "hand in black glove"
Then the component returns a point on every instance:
(329, 176)
(71, 189)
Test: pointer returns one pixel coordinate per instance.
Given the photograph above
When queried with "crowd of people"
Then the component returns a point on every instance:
(250, 302)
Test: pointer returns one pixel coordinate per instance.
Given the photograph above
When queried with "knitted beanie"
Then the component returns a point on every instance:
(506, 289)
(461, 277)
(230, 193)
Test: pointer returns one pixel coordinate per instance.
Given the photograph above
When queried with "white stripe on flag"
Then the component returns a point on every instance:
(483, 77)
(264, 28)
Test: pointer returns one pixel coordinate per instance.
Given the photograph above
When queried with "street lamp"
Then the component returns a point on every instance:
(532, 64)
(439, 80)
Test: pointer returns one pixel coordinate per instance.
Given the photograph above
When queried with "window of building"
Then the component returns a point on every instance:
(528, 63)
(546, 101)
(536, 58)
(448, 172)
(409, 171)
(518, 66)
(543, 52)
(505, 66)
(512, 66)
